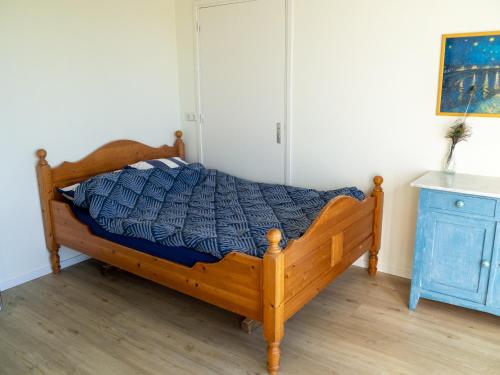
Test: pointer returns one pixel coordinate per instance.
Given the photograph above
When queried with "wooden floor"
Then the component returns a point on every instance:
(83, 323)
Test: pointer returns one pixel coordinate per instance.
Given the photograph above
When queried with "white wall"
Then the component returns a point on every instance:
(364, 94)
(365, 82)
(73, 76)
(187, 81)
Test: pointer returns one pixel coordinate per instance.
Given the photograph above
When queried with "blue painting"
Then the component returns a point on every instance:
(470, 75)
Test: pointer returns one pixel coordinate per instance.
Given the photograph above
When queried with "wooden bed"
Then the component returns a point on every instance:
(269, 290)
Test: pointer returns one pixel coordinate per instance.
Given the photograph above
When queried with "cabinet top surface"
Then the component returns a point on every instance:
(460, 183)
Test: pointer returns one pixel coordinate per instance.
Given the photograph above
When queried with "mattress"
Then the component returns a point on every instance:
(181, 255)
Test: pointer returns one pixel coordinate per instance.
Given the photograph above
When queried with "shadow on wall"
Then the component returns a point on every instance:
(404, 208)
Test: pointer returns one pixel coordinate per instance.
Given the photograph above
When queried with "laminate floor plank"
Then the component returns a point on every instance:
(80, 322)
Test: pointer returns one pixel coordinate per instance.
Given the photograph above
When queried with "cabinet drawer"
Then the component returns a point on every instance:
(462, 203)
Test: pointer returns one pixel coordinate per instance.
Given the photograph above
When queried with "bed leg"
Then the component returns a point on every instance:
(273, 357)
(247, 325)
(273, 299)
(378, 194)
(46, 188)
(55, 261)
(107, 269)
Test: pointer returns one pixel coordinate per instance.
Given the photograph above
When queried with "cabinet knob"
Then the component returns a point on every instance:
(485, 264)
(459, 204)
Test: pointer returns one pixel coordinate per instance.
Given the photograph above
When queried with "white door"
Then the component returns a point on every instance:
(242, 73)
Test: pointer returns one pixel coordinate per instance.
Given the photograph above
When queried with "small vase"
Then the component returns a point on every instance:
(449, 164)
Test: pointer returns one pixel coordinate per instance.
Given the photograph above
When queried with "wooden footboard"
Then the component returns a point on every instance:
(270, 290)
(332, 244)
(344, 230)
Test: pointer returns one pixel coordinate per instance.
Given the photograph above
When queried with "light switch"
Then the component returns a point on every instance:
(191, 116)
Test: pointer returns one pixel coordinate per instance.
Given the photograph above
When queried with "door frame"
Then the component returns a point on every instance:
(287, 120)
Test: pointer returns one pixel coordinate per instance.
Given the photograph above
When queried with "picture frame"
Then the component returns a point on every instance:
(469, 75)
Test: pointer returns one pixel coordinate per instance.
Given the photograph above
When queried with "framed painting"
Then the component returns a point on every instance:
(469, 76)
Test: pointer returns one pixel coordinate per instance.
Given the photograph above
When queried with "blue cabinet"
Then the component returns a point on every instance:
(493, 297)
(457, 250)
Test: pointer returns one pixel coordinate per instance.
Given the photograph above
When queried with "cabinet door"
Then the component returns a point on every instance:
(494, 286)
(457, 256)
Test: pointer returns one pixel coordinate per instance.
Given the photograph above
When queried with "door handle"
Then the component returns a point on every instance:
(485, 264)
(278, 133)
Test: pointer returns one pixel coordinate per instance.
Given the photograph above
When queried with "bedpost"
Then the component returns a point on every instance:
(273, 299)
(378, 194)
(179, 144)
(46, 191)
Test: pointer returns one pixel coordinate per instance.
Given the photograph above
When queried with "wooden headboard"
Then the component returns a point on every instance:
(110, 157)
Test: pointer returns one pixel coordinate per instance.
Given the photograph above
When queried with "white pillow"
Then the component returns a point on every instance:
(169, 163)
(68, 192)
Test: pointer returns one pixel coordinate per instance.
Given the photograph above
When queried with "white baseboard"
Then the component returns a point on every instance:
(42, 271)
(396, 271)
(386, 268)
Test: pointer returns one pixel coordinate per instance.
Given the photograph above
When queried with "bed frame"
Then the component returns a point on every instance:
(268, 290)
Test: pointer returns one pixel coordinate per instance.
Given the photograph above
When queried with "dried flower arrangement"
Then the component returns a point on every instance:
(457, 133)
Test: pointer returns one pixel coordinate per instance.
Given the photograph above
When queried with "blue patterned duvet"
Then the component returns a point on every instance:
(203, 209)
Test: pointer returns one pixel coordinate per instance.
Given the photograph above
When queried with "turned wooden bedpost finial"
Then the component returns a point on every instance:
(378, 194)
(274, 238)
(273, 299)
(46, 189)
(41, 154)
(179, 144)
